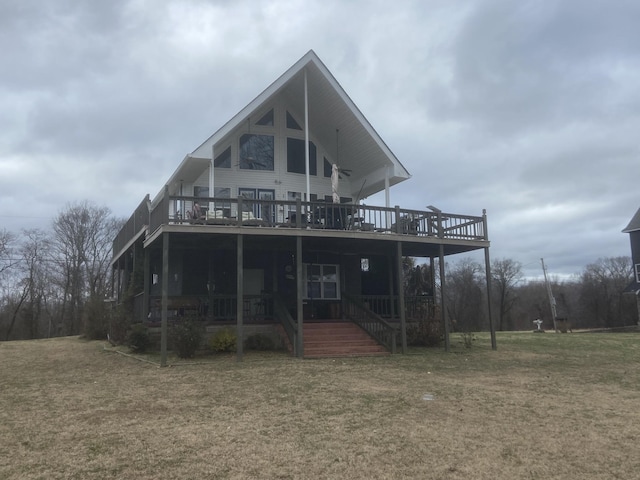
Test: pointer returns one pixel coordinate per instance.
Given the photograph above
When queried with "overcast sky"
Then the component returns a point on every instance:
(528, 109)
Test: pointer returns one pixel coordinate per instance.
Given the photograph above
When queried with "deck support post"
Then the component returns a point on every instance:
(487, 264)
(146, 283)
(239, 295)
(443, 306)
(300, 294)
(392, 303)
(401, 307)
(165, 299)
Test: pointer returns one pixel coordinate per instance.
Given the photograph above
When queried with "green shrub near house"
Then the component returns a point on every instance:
(223, 341)
(186, 336)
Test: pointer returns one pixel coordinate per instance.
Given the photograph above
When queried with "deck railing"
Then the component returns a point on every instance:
(386, 306)
(178, 209)
(138, 220)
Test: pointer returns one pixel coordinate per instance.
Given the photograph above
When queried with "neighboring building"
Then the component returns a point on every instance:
(633, 229)
(274, 244)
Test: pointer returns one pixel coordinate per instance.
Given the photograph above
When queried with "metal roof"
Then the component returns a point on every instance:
(634, 224)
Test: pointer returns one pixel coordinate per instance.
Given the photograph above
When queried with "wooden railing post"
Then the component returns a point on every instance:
(240, 210)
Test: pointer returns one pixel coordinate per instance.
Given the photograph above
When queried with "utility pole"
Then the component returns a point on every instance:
(552, 300)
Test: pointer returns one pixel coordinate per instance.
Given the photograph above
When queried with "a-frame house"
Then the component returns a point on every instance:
(263, 225)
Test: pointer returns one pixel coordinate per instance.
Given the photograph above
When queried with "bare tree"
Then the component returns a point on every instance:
(7, 245)
(506, 274)
(464, 295)
(34, 253)
(83, 234)
(601, 297)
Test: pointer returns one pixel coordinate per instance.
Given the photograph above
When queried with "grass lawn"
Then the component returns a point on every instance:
(543, 406)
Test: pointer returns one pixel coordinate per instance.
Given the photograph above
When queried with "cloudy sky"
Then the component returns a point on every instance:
(528, 109)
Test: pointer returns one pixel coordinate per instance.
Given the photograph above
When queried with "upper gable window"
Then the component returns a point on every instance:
(296, 160)
(267, 119)
(224, 159)
(256, 152)
(291, 122)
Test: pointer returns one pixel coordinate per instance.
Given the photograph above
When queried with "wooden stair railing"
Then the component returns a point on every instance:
(374, 325)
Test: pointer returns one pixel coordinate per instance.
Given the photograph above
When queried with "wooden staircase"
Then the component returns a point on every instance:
(339, 339)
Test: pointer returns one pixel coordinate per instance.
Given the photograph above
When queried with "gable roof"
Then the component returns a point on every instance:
(360, 147)
(634, 224)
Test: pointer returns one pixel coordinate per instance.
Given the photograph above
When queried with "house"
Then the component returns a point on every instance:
(633, 229)
(263, 225)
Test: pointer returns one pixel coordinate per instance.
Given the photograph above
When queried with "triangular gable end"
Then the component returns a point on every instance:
(330, 110)
(634, 224)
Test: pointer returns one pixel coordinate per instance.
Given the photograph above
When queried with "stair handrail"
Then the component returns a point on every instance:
(376, 326)
(281, 313)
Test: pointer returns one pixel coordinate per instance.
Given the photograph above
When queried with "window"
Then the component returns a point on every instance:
(322, 281)
(291, 122)
(266, 119)
(200, 192)
(296, 160)
(265, 211)
(327, 168)
(224, 159)
(256, 152)
(223, 192)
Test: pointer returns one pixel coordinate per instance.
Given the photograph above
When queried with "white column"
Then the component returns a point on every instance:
(212, 187)
(387, 196)
(306, 134)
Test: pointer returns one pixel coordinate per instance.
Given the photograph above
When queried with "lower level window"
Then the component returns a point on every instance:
(322, 281)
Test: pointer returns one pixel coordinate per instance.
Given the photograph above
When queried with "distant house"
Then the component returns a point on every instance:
(263, 226)
(633, 229)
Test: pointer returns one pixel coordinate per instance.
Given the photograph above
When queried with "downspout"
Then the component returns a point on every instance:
(306, 135)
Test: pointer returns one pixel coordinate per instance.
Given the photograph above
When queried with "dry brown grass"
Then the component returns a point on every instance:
(542, 406)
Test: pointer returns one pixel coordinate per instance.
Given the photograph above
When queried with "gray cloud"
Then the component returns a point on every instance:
(527, 109)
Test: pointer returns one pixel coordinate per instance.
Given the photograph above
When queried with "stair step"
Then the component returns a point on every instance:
(339, 339)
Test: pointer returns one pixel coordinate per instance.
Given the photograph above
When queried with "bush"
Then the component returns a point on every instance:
(427, 331)
(139, 340)
(224, 341)
(119, 323)
(259, 342)
(187, 337)
(96, 319)
(467, 339)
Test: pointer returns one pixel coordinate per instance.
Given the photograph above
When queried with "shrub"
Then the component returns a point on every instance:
(467, 339)
(119, 323)
(224, 341)
(186, 335)
(259, 341)
(96, 319)
(427, 331)
(139, 340)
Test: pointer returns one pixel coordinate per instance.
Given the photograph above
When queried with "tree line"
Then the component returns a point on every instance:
(55, 282)
(593, 298)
